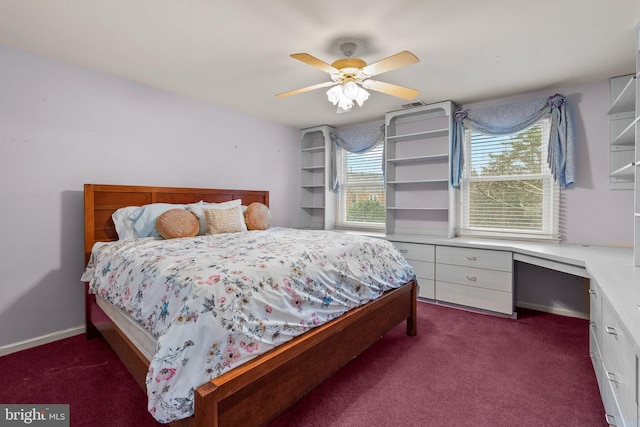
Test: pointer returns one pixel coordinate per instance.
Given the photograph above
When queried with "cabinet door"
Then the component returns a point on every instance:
(595, 329)
(619, 364)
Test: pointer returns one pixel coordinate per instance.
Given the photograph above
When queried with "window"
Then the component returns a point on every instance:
(361, 192)
(507, 189)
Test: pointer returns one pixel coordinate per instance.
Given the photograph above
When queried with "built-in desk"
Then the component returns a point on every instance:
(614, 304)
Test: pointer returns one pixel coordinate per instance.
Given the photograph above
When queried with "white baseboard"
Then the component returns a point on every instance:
(44, 339)
(553, 310)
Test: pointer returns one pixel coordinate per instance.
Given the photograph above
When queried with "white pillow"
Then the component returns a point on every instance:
(124, 224)
(144, 218)
(198, 209)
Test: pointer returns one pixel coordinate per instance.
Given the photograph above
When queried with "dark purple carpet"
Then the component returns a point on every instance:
(463, 369)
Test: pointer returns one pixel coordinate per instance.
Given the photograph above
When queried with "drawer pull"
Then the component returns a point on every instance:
(611, 420)
(471, 257)
(404, 251)
(611, 377)
(472, 278)
(611, 330)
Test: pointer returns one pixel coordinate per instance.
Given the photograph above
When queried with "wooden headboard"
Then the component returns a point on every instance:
(100, 201)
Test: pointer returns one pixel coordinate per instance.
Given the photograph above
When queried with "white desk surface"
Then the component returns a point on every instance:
(611, 267)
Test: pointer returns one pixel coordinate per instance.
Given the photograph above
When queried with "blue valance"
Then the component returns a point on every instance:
(356, 140)
(508, 119)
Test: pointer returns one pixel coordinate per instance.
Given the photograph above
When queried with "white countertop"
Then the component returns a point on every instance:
(611, 267)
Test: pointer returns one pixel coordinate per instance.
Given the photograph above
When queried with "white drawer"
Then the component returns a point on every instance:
(485, 299)
(619, 364)
(427, 288)
(476, 277)
(480, 258)
(612, 412)
(423, 269)
(415, 251)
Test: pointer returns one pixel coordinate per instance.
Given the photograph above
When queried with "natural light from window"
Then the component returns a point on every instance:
(507, 189)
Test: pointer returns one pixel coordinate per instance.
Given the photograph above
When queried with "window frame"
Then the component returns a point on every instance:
(550, 228)
(342, 163)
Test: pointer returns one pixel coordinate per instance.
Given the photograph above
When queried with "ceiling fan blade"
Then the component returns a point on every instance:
(314, 62)
(305, 89)
(393, 62)
(391, 89)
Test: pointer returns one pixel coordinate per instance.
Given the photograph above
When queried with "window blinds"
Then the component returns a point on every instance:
(507, 189)
(361, 192)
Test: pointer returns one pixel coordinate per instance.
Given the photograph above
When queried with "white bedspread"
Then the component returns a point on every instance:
(216, 301)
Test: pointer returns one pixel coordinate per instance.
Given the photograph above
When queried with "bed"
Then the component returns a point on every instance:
(259, 389)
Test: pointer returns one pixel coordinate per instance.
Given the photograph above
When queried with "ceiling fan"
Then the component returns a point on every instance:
(351, 76)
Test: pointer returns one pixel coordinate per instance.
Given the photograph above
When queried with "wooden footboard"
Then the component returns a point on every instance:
(257, 391)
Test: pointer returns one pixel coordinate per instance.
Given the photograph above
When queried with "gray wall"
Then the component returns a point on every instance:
(62, 126)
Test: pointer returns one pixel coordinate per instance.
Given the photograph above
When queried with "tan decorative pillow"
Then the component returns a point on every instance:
(257, 216)
(224, 220)
(177, 223)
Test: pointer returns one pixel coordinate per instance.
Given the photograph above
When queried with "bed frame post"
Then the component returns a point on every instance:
(206, 409)
(412, 321)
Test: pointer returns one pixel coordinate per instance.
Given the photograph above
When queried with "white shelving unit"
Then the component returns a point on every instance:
(636, 160)
(316, 198)
(622, 132)
(417, 164)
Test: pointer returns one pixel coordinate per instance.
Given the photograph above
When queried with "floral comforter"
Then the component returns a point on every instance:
(216, 301)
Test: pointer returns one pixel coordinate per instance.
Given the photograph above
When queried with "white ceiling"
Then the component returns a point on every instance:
(236, 53)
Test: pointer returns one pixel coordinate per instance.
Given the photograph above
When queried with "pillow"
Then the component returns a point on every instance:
(124, 225)
(198, 209)
(224, 220)
(144, 219)
(257, 216)
(176, 223)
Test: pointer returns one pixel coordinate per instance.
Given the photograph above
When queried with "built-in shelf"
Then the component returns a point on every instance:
(625, 171)
(431, 158)
(622, 131)
(419, 181)
(316, 198)
(417, 165)
(418, 135)
(312, 149)
(406, 208)
(627, 136)
(626, 98)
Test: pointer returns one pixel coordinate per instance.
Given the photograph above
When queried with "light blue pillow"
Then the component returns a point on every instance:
(144, 219)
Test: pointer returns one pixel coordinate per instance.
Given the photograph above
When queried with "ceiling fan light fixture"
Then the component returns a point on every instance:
(344, 94)
(363, 95)
(351, 90)
(334, 94)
